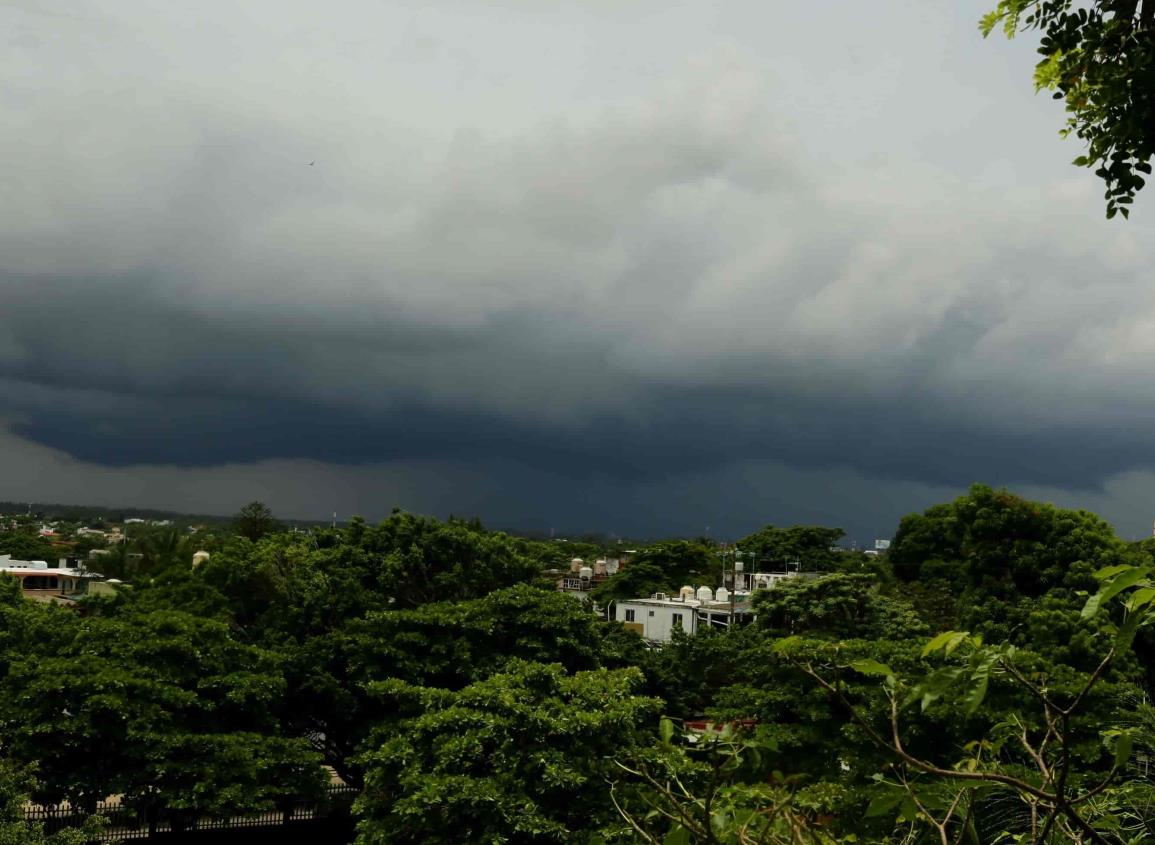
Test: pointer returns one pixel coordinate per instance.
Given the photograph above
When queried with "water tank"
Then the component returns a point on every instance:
(576, 564)
(585, 573)
(600, 567)
(199, 558)
(705, 594)
(686, 594)
(722, 595)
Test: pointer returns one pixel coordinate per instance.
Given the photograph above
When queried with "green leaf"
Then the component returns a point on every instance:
(1129, 628)
(1111, 571)
(666, 730)
(871, 667)
(1122, 749)
(978, 690)
(947, 642)
(1141, 598)
(1129, 577)
(678, 836)
(881, 805)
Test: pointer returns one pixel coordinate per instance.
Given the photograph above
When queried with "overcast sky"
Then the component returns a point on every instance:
(612, 265)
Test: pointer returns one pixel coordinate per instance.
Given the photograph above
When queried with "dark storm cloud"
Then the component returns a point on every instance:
(483, 252)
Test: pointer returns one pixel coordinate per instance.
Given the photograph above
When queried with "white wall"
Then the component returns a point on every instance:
(657, 620)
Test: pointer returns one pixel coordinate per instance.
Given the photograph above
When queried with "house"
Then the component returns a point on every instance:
(41, 582)
(655, 619)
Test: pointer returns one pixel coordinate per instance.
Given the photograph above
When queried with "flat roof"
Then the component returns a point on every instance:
(675, 604)
(28, 570)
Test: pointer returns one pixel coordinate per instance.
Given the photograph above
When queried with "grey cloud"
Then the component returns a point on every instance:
(716, 254)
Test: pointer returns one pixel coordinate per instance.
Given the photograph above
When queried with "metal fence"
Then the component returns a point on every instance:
(121, 822)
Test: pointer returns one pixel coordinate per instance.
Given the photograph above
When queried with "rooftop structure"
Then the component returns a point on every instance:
(582, 578)
(41, 582)
(656, 618)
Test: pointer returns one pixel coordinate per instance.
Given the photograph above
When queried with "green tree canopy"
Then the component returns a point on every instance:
(522, 756)
(160, 707)
(810, 545)
(254, 521)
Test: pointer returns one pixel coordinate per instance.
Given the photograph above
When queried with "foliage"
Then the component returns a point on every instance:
(1099, 58)
(518, 757)
(145, 706)
(14, 830)
(1073, 791)
(254, 521)
(715, 787)
(837, 606)
(416, 658)
(662, 568)
(810, 545)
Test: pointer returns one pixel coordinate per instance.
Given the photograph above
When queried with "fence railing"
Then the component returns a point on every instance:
(121, 822)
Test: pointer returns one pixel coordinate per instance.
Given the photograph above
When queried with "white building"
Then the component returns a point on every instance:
(656, 618)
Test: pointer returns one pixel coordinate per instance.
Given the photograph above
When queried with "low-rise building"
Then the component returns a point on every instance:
(39, 581)
(655, 619)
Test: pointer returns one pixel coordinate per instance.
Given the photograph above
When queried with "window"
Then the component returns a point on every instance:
(651, 613)
(677, 619)
(629, 616)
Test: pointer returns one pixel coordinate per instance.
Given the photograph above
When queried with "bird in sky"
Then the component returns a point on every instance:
(311, 163)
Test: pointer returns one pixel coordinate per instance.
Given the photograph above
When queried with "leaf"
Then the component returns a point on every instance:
(880, 805)
(1122, 749)
(1111, 571)
(1129, 577)
(871, 667)
(1141, 598)
(678, 836)
(666, 730)
(947, 641)
(980, 679)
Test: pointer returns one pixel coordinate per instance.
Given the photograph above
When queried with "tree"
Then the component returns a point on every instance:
(254, 521)
(837, 606)
(14, 830)
(809, 545)
(1098, 57)
(1072, 790)
(163, 708)
(662, 567)
(519, 757)
(716, 789)
(447, 646)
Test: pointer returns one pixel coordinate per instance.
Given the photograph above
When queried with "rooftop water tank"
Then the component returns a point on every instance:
(686, 593)
(576, 564)
(705, 594)
(722, 595)
(600, 567)
(585, 573)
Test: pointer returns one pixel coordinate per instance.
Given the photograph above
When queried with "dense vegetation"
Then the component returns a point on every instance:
(989, 681)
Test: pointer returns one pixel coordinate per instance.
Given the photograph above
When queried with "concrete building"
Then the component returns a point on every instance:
(655, 619)
(41, 582)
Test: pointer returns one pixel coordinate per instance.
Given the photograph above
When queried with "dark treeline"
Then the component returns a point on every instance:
(989, 680)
